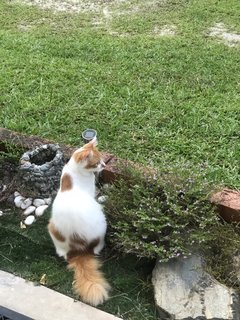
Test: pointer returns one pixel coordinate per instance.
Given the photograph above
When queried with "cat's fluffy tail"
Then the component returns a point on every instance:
(89, 282)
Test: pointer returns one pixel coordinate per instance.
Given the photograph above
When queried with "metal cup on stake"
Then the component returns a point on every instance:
(88, 135)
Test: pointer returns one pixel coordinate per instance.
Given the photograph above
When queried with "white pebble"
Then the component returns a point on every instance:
(40, 210)
(29, 220)
(102, 199)
(16, 194)
(38, 202)
(29, 210)
(1, 213)
(107, 186)
(26, 203)
(48, 200)
(18, 201)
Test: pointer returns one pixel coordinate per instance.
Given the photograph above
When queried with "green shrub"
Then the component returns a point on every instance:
(166, 214)
(169, 214)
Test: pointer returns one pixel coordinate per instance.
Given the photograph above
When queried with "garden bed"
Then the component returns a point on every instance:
(227, 200)
(29, 252)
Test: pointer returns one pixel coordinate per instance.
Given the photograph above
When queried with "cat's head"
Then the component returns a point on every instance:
(89, 158)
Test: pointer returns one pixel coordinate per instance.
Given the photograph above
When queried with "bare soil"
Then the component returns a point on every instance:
(8, 179)
(220, 31)
(76, 6)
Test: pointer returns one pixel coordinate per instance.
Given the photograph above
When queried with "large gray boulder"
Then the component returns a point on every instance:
(184, 291)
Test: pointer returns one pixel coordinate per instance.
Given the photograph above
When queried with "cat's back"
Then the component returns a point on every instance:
(74, 199)
(75, 209)
(76, 193)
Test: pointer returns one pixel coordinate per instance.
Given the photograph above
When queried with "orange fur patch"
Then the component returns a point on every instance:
(81, 155)
(66, 182)
(54, 231)
(88, 152)
(94, 159)
(84, 153)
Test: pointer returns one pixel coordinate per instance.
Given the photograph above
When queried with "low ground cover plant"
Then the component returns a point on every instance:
(165, 214)
(168, 214)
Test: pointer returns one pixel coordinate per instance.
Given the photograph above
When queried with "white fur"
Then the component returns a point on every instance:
(76, 211)
(83, 180)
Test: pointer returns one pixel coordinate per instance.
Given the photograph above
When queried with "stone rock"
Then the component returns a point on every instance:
(40, 210)
(16, 194)
(183, 290)
(48, 200)
(26, 203)
(38, 202)
(40, 169)
(29, 210)
(29, 220)
(18, 201)
(1, 213)
(102, 199)
(228, 204)
(107, 186)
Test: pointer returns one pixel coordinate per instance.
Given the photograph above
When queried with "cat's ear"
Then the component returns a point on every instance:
(81, 155)
(86, 151)
(92, 143)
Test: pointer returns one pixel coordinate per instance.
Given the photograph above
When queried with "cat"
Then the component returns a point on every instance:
(78, 224)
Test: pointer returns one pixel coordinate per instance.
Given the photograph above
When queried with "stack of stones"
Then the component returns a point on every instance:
(32, 208)
(40, 170)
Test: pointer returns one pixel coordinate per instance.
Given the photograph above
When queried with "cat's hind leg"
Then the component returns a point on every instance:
(99, 247)
(60, 242)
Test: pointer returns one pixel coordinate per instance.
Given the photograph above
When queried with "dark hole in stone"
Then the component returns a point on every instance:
(42, 157)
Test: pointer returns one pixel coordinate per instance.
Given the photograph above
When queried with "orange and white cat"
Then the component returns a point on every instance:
(78, 225)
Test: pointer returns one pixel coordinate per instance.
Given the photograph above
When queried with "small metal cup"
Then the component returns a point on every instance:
(88, 135)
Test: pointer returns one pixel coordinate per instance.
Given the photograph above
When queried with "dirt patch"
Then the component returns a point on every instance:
(24, 27)
(220, 31)
(9, 178)
(103, 12)
(107, 8)
(76, 6)
(165, 31)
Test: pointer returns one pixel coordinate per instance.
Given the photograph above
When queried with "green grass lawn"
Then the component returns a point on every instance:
(153, 99)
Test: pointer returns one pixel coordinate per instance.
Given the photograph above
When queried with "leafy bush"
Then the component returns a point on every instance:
(164, 214)
(168, 214)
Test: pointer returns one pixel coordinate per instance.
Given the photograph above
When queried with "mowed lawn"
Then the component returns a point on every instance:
(146, 75)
